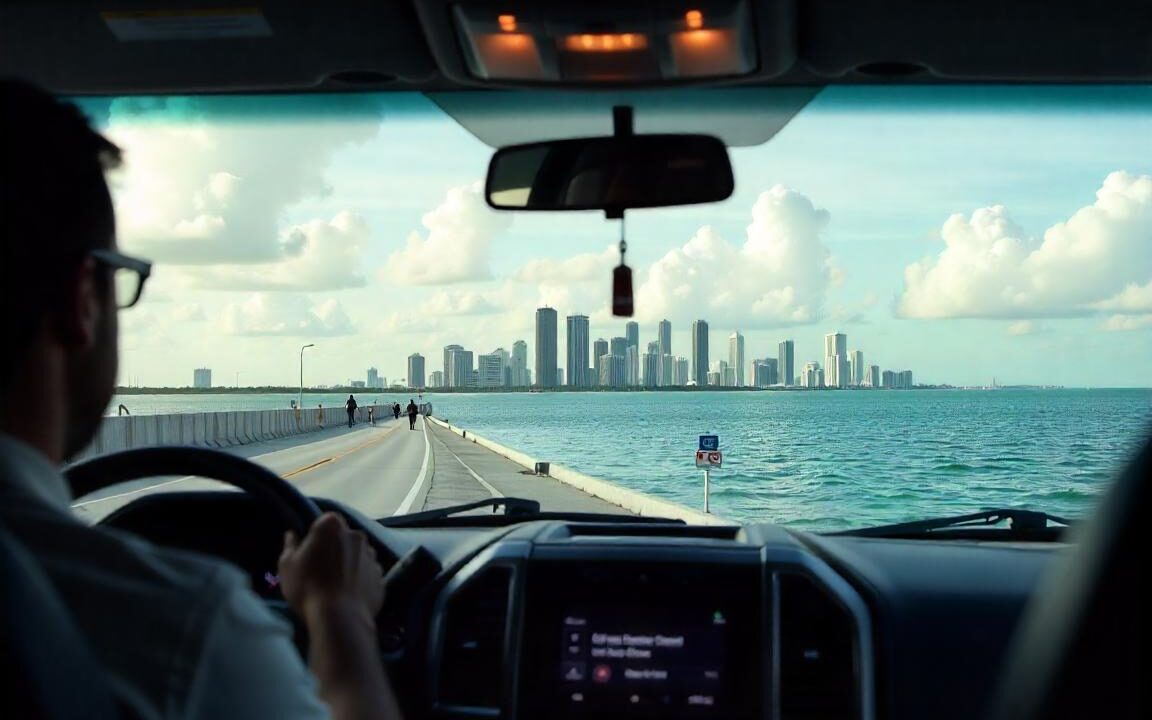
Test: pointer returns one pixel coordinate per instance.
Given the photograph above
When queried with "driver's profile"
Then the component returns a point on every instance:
(178, 635)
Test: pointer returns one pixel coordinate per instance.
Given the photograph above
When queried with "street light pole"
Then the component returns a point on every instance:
(300, 397)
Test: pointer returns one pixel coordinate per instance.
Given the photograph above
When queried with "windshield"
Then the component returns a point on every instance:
(918, 301)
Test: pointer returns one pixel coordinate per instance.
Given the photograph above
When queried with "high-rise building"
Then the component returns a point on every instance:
(436, 379)
(722, 373)
(559, 377)
(651, 363)
(905, 381)
(448, 349)
(599, 350)
(813, 376)
(786, 361)
(373, 380)
(546, 347)
(667, 370)
(612, 371)
(836, 346)
(577, 346)
(888, 379)
(202, 378)
(519, 364)
(700, 352)
(490, 370)
(618, 346)
(764, 373)
(664, 338)
(736, 357)
(856, 367)
(874, 376)
(416, 370)
(632, 333)
(682, 371)
(631, 366)
(460, 368)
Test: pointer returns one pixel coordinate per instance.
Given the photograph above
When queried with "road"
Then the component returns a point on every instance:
(380, 470)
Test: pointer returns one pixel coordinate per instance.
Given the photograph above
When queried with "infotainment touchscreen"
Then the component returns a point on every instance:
(643, 660)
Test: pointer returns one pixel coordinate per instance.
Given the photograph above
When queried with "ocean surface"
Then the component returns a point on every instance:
(816, 460)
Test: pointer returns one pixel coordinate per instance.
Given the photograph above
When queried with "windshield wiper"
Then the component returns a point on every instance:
(1019, 520)
(512, 506)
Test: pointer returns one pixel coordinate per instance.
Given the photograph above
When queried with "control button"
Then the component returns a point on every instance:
(573, 649)
(573, 671)
(577, 697)
(701, 700)
(635, 699)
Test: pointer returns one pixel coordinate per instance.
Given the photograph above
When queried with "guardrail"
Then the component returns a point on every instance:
(631, 500)
(218, 429)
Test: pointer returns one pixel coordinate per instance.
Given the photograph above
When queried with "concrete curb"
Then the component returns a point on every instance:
(631, 500)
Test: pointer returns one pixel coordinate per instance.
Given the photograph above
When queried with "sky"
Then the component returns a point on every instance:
(963, 233)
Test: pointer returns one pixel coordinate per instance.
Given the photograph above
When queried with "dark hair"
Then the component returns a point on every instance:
(54, 205)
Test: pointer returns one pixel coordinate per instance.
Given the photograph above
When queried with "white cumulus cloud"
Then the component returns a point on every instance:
(205, 183)
(318, 255)
(456, 245)
(779, 276)
(1122, 323)
(990, 268)
(285, 314)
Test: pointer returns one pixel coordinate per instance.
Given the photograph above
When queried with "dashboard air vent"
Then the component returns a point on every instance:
(817, 653)
(472, 658)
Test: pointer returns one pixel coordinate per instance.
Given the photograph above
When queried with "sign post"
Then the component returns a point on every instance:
(708, 456)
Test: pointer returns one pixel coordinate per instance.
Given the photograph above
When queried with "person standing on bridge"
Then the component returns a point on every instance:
(412, 411)
(396, 411)
(176, 634)
(351, 406)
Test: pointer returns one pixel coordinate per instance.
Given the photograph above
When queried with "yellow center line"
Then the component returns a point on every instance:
(334, 458)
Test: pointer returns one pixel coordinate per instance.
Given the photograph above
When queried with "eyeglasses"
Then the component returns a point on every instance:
(128, 275)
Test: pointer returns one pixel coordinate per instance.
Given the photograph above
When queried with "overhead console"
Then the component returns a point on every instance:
(571, 623)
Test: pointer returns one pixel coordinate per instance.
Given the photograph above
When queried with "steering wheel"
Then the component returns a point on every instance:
(297, 511)
(1081, 650)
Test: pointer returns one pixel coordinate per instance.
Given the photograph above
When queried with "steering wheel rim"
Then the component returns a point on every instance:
(297, 510)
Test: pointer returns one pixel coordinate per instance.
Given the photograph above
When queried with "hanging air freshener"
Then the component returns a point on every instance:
(622, 305)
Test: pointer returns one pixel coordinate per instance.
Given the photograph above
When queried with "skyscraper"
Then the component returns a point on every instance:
(416, 370)
(664, 338)
(448, 364)
(651, 362)
(764, 372)
(490, 369)
(632, 333)
(577, 347)
(373, 380)
(545, 347)
(436, 379)
(519, 364)
(888, 379)
(700, 352)
(631, 366)
(786, 361)
(736, 357)
(682, 371)
(461, 369)
(618, 346)
(667, 371)
(202, 378)
(836, 371)
(599, 350)
(856, 367)
(874, 376)
(612, 371)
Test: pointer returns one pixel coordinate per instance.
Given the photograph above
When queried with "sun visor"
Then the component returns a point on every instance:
(739, 117)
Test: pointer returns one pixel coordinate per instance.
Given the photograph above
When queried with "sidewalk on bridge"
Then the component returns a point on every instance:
(456, 463)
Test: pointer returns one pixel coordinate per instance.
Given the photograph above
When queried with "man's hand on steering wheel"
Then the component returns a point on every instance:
(333, 566)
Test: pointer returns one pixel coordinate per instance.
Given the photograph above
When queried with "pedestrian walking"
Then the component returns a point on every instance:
(412, 411)
(351, 407)
(371, 417)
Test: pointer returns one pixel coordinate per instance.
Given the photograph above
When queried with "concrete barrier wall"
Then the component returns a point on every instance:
(215, 430)
(631, 500)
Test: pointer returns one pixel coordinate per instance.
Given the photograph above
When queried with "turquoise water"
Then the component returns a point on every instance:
(817, 460)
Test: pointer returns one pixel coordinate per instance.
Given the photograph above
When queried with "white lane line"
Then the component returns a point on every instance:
(410, 498)
(491, 490)
(132, 492)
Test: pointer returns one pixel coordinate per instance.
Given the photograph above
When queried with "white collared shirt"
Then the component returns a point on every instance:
(179, 634)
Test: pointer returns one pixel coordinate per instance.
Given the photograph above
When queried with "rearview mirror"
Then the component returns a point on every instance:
(612, 173)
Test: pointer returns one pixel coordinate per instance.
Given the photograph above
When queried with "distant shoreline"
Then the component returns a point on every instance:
(270, 390)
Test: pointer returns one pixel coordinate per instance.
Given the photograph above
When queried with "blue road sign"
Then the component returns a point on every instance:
(709, 442)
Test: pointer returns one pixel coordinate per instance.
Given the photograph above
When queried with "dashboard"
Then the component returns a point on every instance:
(569, 620)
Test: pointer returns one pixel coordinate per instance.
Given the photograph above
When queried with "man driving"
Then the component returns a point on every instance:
(179, 635)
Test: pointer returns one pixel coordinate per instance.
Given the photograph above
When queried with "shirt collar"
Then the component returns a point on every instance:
(24, 471)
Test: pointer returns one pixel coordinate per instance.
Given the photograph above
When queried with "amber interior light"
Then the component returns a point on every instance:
(694, 19)
(507, 23)
(613, 42)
